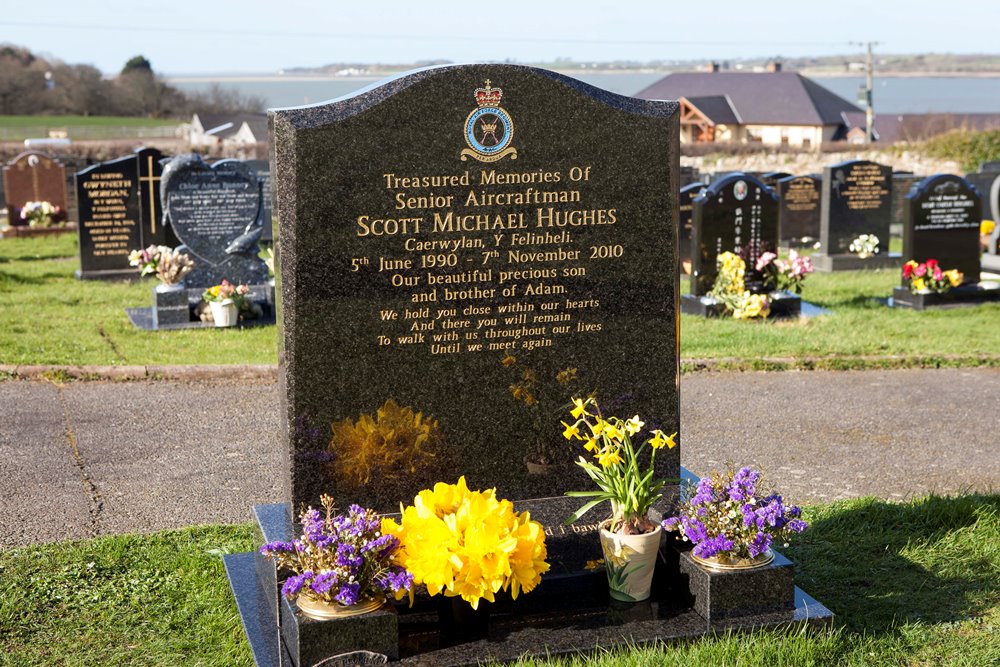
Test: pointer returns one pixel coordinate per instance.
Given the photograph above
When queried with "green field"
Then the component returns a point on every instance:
(49, 317)
(913, 584)
(19, 128)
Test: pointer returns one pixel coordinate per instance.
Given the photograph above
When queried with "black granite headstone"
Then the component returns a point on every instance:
(739, 214)
(450, 217)
(857, 199)
(686, 211)
(798, 208)
(942, 219)
(901, 184)
(107, 196)
(771, 178)
(988, 184)
(154, 231)
(263, 169)
(215, 212)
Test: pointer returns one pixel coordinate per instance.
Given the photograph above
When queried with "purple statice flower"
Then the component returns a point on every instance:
(294, 584)
(272, 548)
(712, 546)
(348, 594)
(312, 525)
(761, 543)
(770, 513)
(395, 579)
(324, 581)
(703, 494)
(748, 510)
(325, 541)
(382, 546)
(694, 530)
(671, 522)
(347, 556)
(793, 512)
(744, 484)
(797, 525)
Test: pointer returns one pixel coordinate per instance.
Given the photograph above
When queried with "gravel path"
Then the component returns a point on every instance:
(92, 458)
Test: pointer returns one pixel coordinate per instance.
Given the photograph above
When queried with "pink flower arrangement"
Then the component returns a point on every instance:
(780, 274)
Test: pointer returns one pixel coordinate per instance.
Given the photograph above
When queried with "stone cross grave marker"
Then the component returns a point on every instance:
(736, 213)
(33, 176)
(107, 200)
(453, 242)
(798, 208)
(941, 221)
(857, 199)
(154, 231)
(215, 212)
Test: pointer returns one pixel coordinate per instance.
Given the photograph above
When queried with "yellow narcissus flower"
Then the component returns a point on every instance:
(608, 457)
(571, 431)
(469, 544)
(658, 441)
(986, 227)
(579, 408)
(612, 432)
(634, 425)
(591, 445)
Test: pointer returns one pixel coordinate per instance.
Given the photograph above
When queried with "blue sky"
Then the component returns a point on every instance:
(213, 36)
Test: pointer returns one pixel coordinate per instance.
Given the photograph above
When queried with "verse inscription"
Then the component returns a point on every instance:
(488, 268)
(864, 187)
(111, 224)
(212, 208)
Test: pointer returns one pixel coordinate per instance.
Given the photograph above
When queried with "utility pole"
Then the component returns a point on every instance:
(869, 85)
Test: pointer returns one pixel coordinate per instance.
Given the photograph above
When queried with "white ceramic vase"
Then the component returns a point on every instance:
(629, 561)
(224, 312)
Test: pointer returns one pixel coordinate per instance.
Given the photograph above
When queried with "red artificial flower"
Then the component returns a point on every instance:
(907, 270)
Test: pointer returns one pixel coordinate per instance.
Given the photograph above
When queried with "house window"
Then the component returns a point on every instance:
(806, 142)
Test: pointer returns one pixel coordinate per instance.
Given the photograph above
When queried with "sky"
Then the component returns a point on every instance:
(256, 36)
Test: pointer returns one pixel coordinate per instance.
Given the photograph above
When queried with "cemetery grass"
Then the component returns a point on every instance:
(18, 128)
(47, 316)
(912, 584)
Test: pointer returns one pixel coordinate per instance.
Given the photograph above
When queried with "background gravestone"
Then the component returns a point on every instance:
(857, 199)
(942, 219)
(736, 213)
(987, 181)
(154, 231)
(107, 199)
(451, 217)
(685, 209)
(263, 169)
(771, 178)
(215, 212)
(901, 184)
(798, 208)
(33, 176)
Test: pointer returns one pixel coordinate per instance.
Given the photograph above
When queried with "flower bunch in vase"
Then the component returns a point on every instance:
(226, 301)
(732, 519)
(342, 563)
(469, 544)
(617, 466)
(41, 214)
(927, 277)
(781, 274)
(866, 245)
(730, 289)
(170, 265)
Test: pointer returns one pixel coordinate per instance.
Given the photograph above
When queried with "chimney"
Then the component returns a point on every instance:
(774, 66)
(712, 67)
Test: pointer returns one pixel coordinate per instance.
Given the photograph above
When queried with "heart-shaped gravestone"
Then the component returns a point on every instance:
(210, 206)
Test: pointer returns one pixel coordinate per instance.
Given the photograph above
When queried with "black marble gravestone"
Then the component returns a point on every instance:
(798, 209)
(215, 212)
(154, 231)
(739, 214)
(857, 199)
(107, 196)
(942, 216)
(771, 178)
(987, 181)
(263, 169)
(686, 211)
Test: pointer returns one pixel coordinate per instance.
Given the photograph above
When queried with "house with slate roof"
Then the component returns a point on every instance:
(773, 108)
(227, 130)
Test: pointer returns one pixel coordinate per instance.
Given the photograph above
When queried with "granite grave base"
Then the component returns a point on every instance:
(569, 612)
(783, 304)
(964, 295)
(175, 310)
(829, 263)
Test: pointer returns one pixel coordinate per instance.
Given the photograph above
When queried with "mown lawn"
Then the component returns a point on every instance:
(18, 128)
(912, 584)
(49, 317)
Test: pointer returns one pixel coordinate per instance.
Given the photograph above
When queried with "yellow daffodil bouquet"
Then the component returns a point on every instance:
(468, 544)
(614, 466)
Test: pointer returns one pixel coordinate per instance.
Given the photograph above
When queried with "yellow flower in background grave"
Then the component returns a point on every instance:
(986, 227)
(954, 277)
(634, 425)
(571, 431)
(919, 284)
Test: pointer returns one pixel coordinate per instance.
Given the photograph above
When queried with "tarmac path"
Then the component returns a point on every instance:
(90, 458)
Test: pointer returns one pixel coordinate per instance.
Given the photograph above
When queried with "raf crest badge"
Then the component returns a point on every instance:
(489, 129)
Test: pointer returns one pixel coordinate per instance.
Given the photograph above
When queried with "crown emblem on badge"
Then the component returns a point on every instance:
(489, 129)
(488, 96)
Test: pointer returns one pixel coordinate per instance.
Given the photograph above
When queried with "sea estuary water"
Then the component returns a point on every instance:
(893, 95)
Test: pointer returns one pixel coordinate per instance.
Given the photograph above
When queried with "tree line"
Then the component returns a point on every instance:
(33, 85)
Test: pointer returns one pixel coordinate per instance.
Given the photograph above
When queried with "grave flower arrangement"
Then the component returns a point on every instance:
(340, 560)
(865, 245)
(226, 291)
(629, 538)
(929, 277)
(780, 274)
(41, 214)
(169, 264)
(730, 289)
(468, 544)
(733, 518)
